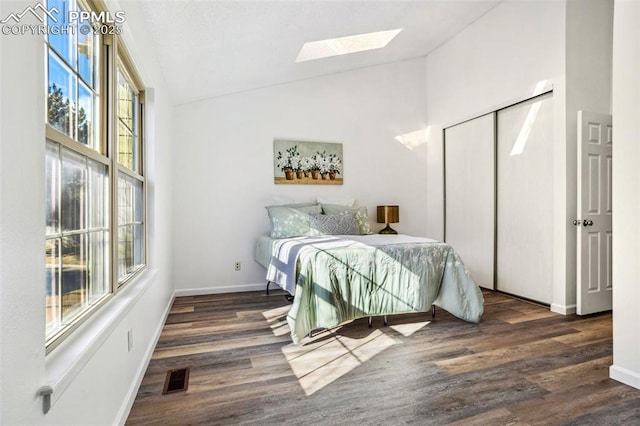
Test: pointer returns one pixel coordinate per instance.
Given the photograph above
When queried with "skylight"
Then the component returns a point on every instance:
(343, 45)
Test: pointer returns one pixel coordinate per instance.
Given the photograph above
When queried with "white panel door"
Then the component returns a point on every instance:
(525, 199)
(594, 236)
(469, 195)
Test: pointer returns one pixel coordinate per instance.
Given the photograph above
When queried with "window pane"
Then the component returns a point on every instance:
(52, 208)
(130, 226)
(98, 195)
(130, 200)
(62, 94)
(87, 56)
(125, 200)
(52, 300)
(86, 135)
(138, 245)
(74, 276)
(126, 98)
(127, 124)
(64, 44)
(98, 265)
(125, 251)
(138, 208)
(125, 147)
(73, 191)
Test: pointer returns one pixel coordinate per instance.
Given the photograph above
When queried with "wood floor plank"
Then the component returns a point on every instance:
(495, 357)
(530, 316)
(560, 407)
(598, 334)
(522, 365)
(216, 346)
(581, 374)
(499, 416)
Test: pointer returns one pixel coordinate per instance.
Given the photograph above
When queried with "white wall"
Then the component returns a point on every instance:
(224, 153)
(497, 60)
(22, 194)
(93, 375)
(626, 193)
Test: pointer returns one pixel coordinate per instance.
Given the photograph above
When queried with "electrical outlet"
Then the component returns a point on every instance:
(237, 265)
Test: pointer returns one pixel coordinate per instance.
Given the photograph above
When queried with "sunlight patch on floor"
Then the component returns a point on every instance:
(410, 328)
(277, 319)
(276, 313)
(317, 364)
(280, 328)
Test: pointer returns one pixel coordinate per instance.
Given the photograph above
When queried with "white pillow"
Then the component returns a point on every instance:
(348, 202)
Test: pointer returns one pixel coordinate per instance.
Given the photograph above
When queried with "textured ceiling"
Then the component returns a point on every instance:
(212, 48)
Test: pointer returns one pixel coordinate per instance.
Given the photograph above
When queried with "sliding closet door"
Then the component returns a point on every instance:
(469, 195)
(525, 199)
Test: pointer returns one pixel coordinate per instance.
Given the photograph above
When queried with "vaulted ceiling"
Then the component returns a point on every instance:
(212, 48)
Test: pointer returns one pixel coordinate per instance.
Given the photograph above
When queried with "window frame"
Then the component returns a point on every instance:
(110, 55)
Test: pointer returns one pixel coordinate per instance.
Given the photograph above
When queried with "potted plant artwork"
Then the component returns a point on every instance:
(289, 161)
(314, 168)
(322, 162)
(307, 162)
(305, 166)
(335, 166)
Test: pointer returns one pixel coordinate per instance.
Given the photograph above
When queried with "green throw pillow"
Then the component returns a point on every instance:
(289, 222)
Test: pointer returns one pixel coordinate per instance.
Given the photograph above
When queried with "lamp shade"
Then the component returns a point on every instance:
(388, 214)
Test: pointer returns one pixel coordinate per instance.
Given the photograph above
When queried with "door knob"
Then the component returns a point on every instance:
(577, 222)
(587, 222)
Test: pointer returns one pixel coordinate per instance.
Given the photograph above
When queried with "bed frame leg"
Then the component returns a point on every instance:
(316, 331)
(268, 282)
(371, 320)
(433, 311)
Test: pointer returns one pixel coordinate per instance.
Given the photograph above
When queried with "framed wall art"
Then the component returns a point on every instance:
(307, 162)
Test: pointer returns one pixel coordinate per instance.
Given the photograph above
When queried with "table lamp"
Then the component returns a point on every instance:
(388, 214)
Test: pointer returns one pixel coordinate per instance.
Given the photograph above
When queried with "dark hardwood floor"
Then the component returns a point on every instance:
(522, 365)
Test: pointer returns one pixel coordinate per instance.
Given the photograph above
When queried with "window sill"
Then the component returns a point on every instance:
(67, 360)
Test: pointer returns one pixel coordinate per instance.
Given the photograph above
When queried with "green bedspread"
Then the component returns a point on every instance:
(342, 283)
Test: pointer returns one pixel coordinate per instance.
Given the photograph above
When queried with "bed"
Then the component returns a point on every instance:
(339, 278)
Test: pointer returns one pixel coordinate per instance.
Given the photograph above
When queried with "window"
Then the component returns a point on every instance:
(95, 189)
(130, 182)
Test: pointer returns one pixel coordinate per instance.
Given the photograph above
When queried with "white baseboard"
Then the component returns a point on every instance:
(563, 309)
(625, 376)
(226, 289)
(135, 385)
